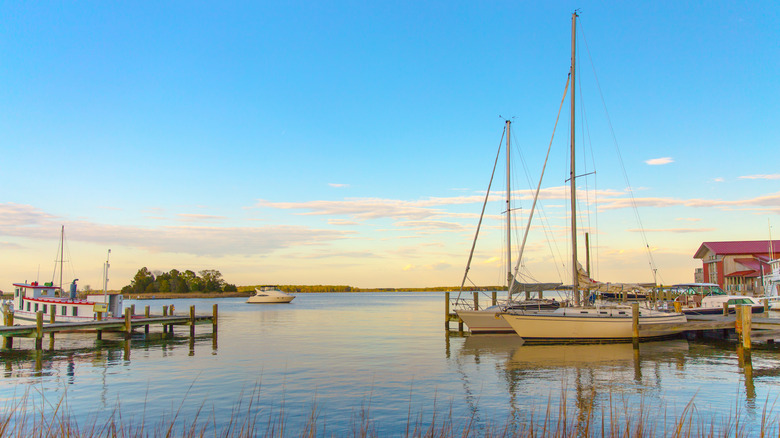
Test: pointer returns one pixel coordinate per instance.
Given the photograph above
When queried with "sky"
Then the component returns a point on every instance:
(352, 143)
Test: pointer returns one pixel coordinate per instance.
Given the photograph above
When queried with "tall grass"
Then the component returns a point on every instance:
(20, 418)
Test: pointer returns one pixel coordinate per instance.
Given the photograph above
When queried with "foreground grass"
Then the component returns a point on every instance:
(617, 419)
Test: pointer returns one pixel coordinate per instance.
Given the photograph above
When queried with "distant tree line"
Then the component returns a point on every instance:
(175, 281)
(341, 288)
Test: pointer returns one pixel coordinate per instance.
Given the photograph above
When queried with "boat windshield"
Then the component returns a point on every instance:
(698, 289)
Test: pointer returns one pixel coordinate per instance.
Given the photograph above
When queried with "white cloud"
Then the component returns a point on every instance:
(773, 176)
(659, 161)
(338, 186)
(29, 222)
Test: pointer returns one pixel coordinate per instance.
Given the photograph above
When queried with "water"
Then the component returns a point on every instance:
(384, 356)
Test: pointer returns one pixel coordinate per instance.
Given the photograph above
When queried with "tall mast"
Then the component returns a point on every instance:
(62, 252)
(508, 212)
(574, 284)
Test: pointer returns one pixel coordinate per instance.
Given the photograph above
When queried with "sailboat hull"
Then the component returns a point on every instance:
(485, 321)
(571, 324)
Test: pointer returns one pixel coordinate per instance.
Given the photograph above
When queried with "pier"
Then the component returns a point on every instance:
(125, 325)
(744, 324)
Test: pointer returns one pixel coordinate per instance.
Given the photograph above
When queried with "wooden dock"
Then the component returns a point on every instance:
(744, 324)
(125, 325)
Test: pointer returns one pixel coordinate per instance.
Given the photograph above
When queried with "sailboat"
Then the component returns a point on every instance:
(580, 322)
(488, 320)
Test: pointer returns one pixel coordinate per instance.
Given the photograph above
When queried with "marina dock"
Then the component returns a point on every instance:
(126, 325)
(743, 323)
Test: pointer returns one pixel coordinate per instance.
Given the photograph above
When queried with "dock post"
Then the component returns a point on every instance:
(214, 319)
(132, 310)
(192, 321)
(747, 325)
(8, 341)
(99, 332)
(146, 315)
(52, 320)
(494, 298)
(446, 311)
(39, 330)
(635, 323)
(476, 300)
(677, 306)
(165, 313)
(766, 305)
(128, 325)
(726, 308)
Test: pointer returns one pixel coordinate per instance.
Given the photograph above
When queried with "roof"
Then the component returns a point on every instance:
(753, 264)
(749, 273)
(737, 247)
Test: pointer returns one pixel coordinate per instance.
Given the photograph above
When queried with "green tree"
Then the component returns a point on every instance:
(212, 280)
(142, 280)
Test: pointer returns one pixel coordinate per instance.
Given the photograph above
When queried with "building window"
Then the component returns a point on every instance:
(75, 311)
(36, 307)
(713, 273)
(45, 308)
(64, 311)
(28, 307)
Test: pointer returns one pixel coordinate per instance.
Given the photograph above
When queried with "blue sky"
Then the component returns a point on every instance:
(352, 142)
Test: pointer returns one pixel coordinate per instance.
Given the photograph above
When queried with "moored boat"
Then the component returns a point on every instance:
(597, 324)
(30, 298)
(709, 298)
(269, 295)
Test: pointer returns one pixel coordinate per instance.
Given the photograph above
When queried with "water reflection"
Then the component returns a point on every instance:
(591, 375)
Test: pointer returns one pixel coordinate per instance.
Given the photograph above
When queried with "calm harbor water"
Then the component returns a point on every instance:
(381, 354)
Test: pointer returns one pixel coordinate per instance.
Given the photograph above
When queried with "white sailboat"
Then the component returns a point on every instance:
(584, 323)
(488, 320)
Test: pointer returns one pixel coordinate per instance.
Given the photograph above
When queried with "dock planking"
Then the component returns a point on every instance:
(126, 325)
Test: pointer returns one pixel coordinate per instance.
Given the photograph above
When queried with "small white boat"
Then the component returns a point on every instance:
(269, 295)
(708, 299)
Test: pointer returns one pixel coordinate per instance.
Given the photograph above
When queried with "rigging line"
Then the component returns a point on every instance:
(538, 188)
(482, 214)
(653, 267)
(587, 214)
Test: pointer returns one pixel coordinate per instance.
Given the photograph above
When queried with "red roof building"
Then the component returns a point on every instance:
(737, 266)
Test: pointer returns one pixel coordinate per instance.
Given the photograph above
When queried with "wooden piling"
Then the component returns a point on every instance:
(494, 299)
(192, 321)
(747, 325)
(725, 308)
(766, 305)
(165, 313)
(476, 300)
(214, 317)
(146, 315)
(8, 341)
(635, 323)
(446, 311)
(99, 332)
(128, 325)
(39, 330)
(52, 319)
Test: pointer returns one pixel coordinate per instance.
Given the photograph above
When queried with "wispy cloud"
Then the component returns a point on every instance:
(688, 219)
(674, 230)
(29, 222)
(718, 179)
(338, 186)
(659, 161)
(186, 217)
(773, 176)
(772, 200)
